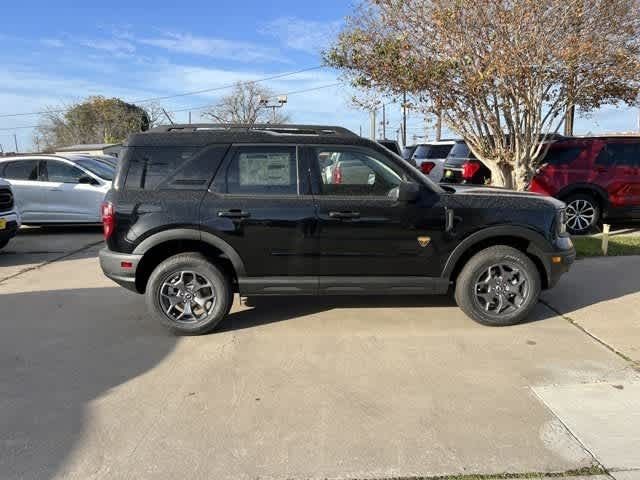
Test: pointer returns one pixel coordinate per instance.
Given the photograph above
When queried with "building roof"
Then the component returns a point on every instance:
(87, 146)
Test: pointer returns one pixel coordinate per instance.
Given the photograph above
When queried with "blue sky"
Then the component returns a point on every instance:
(55, 53)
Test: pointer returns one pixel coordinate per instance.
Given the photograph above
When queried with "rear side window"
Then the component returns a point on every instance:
(182, 168)
(21, 170)
(269, 170)
(622, 154)
(562, 155)
(461, 151)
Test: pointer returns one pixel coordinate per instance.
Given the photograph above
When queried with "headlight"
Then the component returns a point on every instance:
(561, 222)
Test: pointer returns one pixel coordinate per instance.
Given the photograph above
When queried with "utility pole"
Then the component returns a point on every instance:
(568, 120)
(384, 121)
(372, 128)
(15, 139)
(189, 118)
(360, 130)
(404, 119)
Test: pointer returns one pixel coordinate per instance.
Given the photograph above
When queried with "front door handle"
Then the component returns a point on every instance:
(234, 214)
(344, 215)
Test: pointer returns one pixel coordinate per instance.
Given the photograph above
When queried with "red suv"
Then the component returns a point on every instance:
(597, 177)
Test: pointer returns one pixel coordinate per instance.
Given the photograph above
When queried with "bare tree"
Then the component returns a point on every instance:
(501, 73)
(242, 105)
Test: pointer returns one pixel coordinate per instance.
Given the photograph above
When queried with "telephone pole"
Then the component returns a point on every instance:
(384, 121)
(439, 127)
(15, 139)
(372, 131)
(404, 119)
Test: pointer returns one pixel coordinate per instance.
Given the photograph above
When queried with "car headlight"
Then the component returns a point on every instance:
(561, 222)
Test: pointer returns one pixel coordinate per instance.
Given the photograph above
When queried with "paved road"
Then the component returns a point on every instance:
(91, 387)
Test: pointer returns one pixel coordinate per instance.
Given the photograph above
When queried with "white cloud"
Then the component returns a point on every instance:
(304, 35)
(52, 42)
(213, 47)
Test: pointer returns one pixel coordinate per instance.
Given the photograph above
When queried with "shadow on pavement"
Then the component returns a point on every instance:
(59, 350)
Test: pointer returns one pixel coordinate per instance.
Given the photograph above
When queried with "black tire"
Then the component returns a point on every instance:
(193, 272)
(4, 243)
(517, 301)
(583, 213)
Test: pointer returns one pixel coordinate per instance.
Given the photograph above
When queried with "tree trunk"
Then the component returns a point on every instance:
(501, 175)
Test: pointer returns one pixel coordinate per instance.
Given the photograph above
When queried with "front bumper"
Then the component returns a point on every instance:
(560, 261)
(12, 225)
(120, 267)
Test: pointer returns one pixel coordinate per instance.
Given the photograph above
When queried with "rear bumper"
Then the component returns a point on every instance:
(120, 267)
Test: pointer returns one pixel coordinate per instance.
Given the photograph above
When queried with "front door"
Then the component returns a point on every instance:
(362, 229)
(260, 204)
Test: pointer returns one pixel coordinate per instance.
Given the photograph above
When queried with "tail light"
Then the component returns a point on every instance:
(108, 219)
(469, 169)
(336, 175)
(426, 167)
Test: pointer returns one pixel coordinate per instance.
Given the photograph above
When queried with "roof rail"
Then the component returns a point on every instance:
(276, 129)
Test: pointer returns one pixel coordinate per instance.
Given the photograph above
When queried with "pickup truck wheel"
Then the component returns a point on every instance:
(583, 213)
(189, 294)
(498, 286)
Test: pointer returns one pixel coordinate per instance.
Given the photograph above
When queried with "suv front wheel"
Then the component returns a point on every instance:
(189, 294)
(498, 286)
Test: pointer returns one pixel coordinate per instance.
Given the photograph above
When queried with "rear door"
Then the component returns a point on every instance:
(23, 176)
(362, 230)
(260, 204)
(619, 167)
(71, 194)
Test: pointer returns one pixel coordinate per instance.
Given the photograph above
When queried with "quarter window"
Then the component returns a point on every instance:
(22, 170)
(622, 154)
(562, 155)
(350, 172)
(261, 171)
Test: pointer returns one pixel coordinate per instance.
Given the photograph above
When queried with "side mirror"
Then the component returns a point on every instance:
(408, 192)
(87, 180)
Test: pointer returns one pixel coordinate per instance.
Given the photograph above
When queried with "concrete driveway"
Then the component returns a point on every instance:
(91, 387)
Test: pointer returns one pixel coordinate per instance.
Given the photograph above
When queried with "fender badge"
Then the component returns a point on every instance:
(424, 241)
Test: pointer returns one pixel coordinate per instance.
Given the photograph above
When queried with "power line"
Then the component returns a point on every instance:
(177, 95)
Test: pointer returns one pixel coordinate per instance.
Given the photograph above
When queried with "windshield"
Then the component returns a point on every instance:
(99, 168)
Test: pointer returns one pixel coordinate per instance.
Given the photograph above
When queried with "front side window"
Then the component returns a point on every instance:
(21, 170)
(351, 172)
(622, 154)
(60, 172)
(261, 171)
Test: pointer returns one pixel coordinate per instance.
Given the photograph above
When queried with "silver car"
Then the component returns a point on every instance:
(57, 189)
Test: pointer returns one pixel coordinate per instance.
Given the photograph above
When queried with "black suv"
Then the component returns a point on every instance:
(199, 212)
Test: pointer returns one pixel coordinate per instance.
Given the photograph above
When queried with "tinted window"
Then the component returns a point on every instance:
(101, 169)
(262, 171)
(60, 172)
(562, 155)
(432, 151)
(623, 154)
(188, 168)
(460, 150)
(356, 172)
(22, 170)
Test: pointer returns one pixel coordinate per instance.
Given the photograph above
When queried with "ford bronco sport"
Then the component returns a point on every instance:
(200, 212)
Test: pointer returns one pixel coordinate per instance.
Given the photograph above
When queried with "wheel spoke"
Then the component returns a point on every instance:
(187, 296)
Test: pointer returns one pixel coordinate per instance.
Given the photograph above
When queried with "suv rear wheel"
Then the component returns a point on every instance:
(583, 213)
(189, 294)
(498, 286)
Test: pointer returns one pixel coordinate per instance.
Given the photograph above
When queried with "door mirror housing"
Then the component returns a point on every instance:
(87, 180)
(408, 192)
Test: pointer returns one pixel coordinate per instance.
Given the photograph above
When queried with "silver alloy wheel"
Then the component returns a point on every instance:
(581, 215)
(187, 297)
(501, 289)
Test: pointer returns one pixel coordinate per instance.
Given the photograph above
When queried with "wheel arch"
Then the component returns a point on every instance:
(531, 243)
(589, 188)
(165, 244)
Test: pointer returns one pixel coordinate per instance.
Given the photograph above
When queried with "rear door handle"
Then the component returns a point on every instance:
(234, 214)
(344, 215)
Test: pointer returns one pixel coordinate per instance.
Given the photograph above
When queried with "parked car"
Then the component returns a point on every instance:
(198, 212)
(391, 145)
(461, 166)
(57, 189)
(598, 178)
(430, 157)
(407, 153)
(9, 216)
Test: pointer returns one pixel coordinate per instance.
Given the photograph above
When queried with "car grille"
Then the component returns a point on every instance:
(6, 199)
